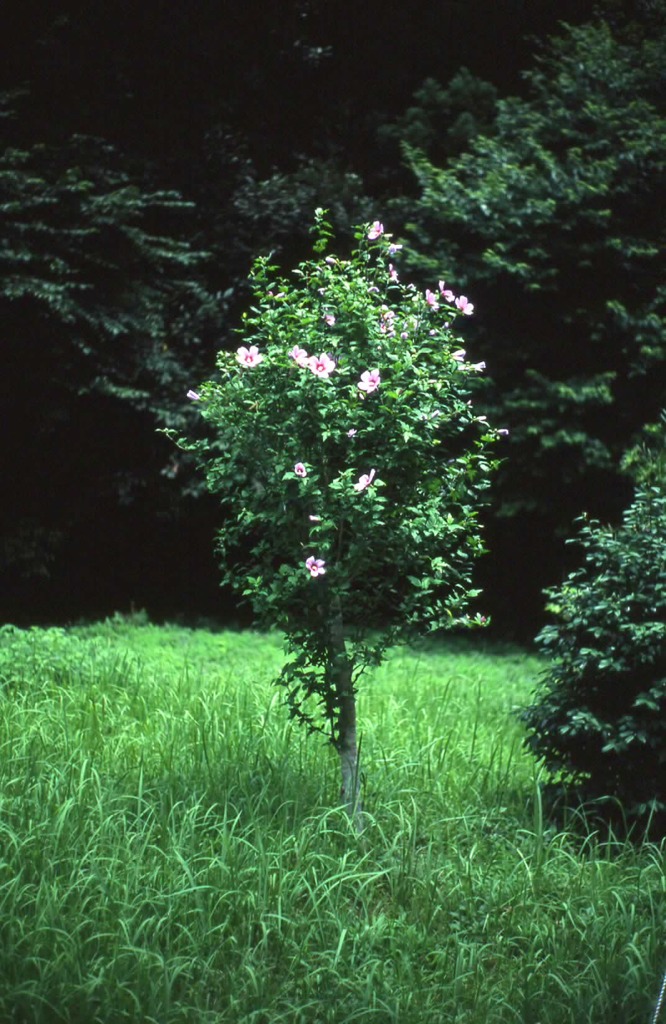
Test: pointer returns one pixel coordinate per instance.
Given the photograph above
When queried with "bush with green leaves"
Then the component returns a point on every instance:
(599, 717)
(351, 465)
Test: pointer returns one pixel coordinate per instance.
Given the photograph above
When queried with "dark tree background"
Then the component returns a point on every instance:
(150, 151)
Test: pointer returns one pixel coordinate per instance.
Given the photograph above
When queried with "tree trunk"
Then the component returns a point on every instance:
(345, 740)
(347, 747)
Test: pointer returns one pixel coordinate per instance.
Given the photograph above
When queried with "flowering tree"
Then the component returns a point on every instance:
(351, 465)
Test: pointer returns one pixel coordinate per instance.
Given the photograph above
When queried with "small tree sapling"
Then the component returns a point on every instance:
(351, 465)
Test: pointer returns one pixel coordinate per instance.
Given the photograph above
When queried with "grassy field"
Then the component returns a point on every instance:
(170, 849)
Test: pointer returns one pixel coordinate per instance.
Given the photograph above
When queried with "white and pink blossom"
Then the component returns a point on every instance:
(193, 396)
(300, 470)
(393, 273)
(364, 481)
(249, 356)
(446, 293)
(393, 249)
(376, 229)
(321, 366)
(315, 566)
(370, 381)
(330, 319)
(431, 299)
(299, 355)
(464, 305)
(352, 432)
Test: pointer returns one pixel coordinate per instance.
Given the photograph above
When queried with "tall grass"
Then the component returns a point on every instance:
(170, 848)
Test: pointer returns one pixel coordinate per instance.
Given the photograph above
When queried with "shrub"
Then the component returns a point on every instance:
(351, 465)
(599, 718)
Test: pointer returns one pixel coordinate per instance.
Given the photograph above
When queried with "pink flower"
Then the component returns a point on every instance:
(300, 355)
(249, 356)
(477, 367)
(370, 381)
(300, 470)
(431, 299)
(330, 319)
(376, 229)
(315, 566)
(459, 355)
(193, 396)
(364, 481)
(352, 433)
(447, 294)
(393, 249)
(464, 305)
(322, 365)
(393, 273)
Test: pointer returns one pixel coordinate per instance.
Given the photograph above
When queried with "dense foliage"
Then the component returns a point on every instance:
(105, 312)
(599, 718)
(554, 213)
(102, 265)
